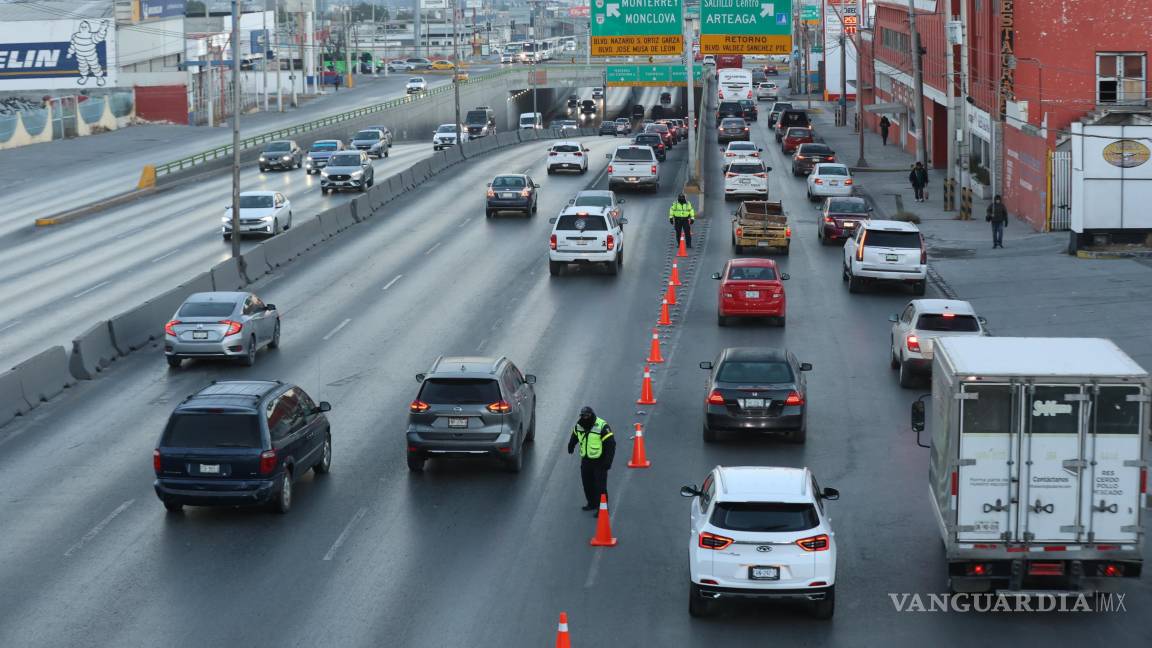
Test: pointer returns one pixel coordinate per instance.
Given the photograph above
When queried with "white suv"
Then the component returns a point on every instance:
(915, 329)
(567, 155)
(633, 166)
(586, 235)
(746, 177)
(886, 250)
(761, 532)
(767, 92)
(416, 85)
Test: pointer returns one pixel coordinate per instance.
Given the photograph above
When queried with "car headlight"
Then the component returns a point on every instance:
(324, 173)
(227, 220)
(309, 159)
(267, 218)
(286, 158)
(262, 158)
(357, 175)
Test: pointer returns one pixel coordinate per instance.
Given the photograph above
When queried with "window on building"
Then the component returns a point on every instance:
(1120, 78)
(894, 40)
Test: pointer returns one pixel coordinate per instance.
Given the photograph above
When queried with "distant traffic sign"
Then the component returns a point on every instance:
(636, 27)
(745, 26)
(650, 75)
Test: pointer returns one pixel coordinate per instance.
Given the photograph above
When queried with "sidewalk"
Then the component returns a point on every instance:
(1031, 287)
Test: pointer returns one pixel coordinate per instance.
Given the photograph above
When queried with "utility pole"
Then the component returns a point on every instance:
(842, 104)
(861, 162)
(461, 132)
(950, 86)
(918, 83)
(347, 47)
(210, 91)
(689, 69)
(279, 65)
(805, 54)
(264, 56)
(236, 135)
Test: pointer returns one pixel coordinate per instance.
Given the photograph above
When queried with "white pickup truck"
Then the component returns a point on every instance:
(633, 166)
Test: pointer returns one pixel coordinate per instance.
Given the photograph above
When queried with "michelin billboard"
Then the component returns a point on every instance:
(57, 54)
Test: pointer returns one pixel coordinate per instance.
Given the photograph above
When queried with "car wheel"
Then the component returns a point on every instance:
(489, 213)
(416, 461)
(535, 206)
(514, 462)
(698, 606)
(551, 170)
(275, 343)
(782, 321)
(263, 169)
(853, 283)
(283, 501)
(826, 608)
(249, 358)
(710, 435)
(620, 258)
(531, 436)
(893, 361)
(905, 378)
(800, 435)
(173, 507)
(323, 191)
(386, 150)
(175, 361)
(275, 226)
(324, 465)
(919, 287)
(721, 320)
(554, 268)
(843, 272)
(227, 237)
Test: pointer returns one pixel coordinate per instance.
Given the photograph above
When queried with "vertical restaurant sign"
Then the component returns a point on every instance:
(1007, 54)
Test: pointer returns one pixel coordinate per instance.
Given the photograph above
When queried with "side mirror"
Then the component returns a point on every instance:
(530, 379)
(760, 150)
(918, 416)
(983, 322)
(270, 307)
(607, 156)
(535, 186)
(324, 406)
(819, 208)
(830, 494)
(420, 377)
(805, 366)
(623, 221)
(716, 275)
(689, 491)
(706, 365)
(553, 220)
(784, 276)
(893, 318)
(620, 202)
(870, 208)
(571, 201)
(768, 168)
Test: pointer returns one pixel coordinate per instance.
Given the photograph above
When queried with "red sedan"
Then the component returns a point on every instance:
(751, 288)
(794, 138)
(839, 218)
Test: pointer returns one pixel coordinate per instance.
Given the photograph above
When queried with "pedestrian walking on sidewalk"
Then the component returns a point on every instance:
(682, 215)
(597, 449)
(998, 216)
(919, 179)
(884, 126)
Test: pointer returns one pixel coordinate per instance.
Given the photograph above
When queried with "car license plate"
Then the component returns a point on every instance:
(745, 181)
(507, 195)
(752, 403)
(199, 335)
(848, 224)
(752, 294)
(835, 183)
(581, 242)
(891, 258)
(456, 422)
(764, 573)
(763, 243)
(210, 469)
(632, 179)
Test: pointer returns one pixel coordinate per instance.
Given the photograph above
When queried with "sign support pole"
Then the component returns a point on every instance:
(693, 177)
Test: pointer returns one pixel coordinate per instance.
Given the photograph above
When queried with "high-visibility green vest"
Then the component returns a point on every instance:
(591, 442)
(681, 210)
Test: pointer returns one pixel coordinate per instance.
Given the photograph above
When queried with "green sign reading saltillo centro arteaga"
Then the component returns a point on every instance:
(636, 27)
(745, 26)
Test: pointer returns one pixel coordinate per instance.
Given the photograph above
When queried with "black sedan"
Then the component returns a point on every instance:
(511, 192)
(756, 389)
(655, 141)
(807, 156)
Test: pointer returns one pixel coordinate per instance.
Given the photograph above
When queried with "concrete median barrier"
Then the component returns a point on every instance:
(136, 327)
(329, 224)
(454, 156)
(255, 263)
(422, 170)
(396, 184)
(44, 376)
(436, 166)
(226, 276)
(380, 195)
(12, 403)
(359, 208)
(344, 216)
(407, 179)
(92, 352)
(507, 139)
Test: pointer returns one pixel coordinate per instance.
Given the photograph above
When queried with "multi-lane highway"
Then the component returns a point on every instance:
(466, 554)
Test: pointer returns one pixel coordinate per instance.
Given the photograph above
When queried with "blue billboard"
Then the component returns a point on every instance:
(44, 55)
(152, 9)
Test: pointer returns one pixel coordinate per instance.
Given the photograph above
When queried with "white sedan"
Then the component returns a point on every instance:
(399, 65)
(915, 329)
(416, 85)
(742, 149)
(261, 212)
(829, 180)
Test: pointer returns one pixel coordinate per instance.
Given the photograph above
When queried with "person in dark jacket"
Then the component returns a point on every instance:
(597, 449)
(998, 216)
(919, 179)
(884, 126)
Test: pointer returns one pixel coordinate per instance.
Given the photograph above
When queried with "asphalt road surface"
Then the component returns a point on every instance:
(466, 554)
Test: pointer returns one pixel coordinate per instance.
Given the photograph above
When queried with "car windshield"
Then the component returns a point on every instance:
(566, 148)
(416, 80)
(752, 273)
(568, 123)
(446, 128)
(582, 222)
(477, 117)
(344, 160)
(745, 169)
(634, 155)
(527, 121)
(592, 201)
(278, 146)
(732, 123)
(469, 391)
(758, 372)
(367, 134)
(765, 517)
(206, 309)
(623, 120)
(509, 182)
(832, 170)
(212, 430)
(325, 146)
(256, 202)
(848, 207)
(947, 322)
(888, 239)
(815, 149)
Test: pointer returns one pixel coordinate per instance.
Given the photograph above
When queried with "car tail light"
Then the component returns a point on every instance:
(739, 231)
(749, 94)
(170, 327)
(551, 153)
(729, 175)
(829, 220)
(1143, 480)
(800, 157)
(817, 181)
(611, 242)
(552, 242)
(500, 407)
(267, 462)
(234, 327)
(156, 461)
(978, 569)
(715, 398)
(794, 398)
(923, 252)
(788, 232)
(713, 541)
(745, 128)
(418, 407)
(491, 194)
(609, 169)
(1111, 570)
(848, 181)
(913, 343)
(653, 169)
(579, 154)
(760, 175)
(814, 543)
(860, 248)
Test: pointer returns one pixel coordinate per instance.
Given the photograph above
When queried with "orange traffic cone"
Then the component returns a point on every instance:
(562, 632)
(603, 526)
(683, 251)
(664, 319)
(675, 274)
(654, 353)
(670, 294)
(646, 397)
(639, 458)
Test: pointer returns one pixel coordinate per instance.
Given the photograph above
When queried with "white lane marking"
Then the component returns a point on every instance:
(482, 343)
(85, 292)
(393, 282)
(95, 531)
(337, 329)
(344, 534)
(132, 231)
(9, 325)
(165, 256)
(464, 222)
(431, 249)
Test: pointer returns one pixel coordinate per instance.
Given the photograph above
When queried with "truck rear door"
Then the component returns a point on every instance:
(983, 484)
(1111, 486)
(1051, 464)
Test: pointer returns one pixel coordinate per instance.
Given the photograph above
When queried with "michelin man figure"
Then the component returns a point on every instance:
(83, 48)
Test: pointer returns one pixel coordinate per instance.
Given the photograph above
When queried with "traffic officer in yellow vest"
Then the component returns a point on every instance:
(597, 448)
(682, 215)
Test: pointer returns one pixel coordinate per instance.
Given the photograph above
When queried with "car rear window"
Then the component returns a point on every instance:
(634, 155)
(882, 238)
(781, 106)
(729, 106)
(745, 168)
(765, 371)
(344, 160)
(799, 132)
(650, 138)
(947, 322)
(833, 170)
(566, 148)
(742, 146)
(779, 517)
(848, 207)
(815, 149)
(508, 182)
(659, 128)
(789, 117)
(587, 223)
(592, 201)
(752, 273)
(206, 309)
(471, 391)
(212, 430)
(732, 123)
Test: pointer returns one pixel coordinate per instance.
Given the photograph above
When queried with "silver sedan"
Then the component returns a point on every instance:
(261, 212)
(229, 325)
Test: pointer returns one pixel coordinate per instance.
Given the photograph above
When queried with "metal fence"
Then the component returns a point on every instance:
(1060, 191)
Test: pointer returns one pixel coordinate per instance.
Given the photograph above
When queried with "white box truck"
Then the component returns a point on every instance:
(1039, 460)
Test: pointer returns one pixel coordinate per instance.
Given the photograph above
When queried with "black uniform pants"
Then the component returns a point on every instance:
(594, 477)
(683, 226)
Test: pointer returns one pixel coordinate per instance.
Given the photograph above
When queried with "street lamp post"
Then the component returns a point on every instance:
(236, 135)
(691, 85)
(460, 130)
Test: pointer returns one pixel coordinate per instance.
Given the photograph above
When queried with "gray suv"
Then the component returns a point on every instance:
(371, 141)
(347, 170)
(230, 325)
(475, 406)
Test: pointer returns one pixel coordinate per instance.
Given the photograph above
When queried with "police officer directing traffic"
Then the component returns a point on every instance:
(682, 215)
(597, 448)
